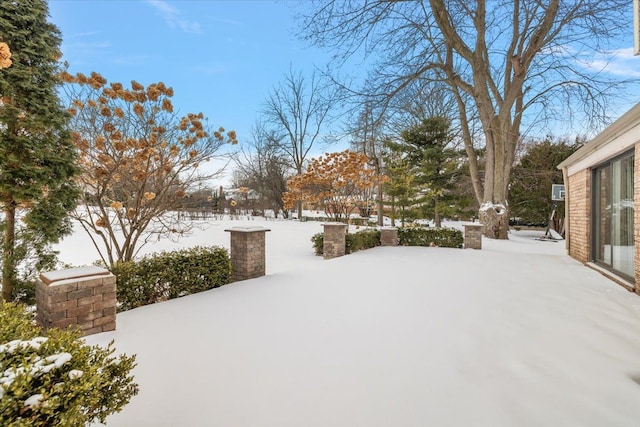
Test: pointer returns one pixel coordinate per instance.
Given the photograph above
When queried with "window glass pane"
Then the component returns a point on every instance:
(622, 218)
(602, 202)
(613, 245)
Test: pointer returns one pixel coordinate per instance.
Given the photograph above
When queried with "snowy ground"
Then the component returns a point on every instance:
(515, 334)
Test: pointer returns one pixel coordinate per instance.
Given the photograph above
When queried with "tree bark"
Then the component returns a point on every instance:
(380, 202)
(495, 220)
(8, 259)
(299, 207)
(393, 211)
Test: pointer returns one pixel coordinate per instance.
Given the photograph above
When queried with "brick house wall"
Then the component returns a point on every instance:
(579, 220)
(619, 138)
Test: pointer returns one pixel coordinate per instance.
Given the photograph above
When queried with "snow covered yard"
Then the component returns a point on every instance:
(517, 333)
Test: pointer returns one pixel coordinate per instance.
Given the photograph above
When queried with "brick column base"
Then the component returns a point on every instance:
(84, 297)
(473, 236)
(334, 239)
(248, 257)
(389, 236)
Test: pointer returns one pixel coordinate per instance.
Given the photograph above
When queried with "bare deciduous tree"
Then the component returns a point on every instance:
(368, 139)
(296, 110)
(263, 168)
(509, 63)
(138, 160)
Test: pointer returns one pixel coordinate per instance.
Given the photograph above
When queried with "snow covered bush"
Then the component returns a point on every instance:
(167, 275)
(50, 378)
(422, 236)
(359, 240)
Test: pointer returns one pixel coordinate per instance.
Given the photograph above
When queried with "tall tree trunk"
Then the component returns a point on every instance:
(380, 203)
(494, 212)
(436, 217)
(495, 220)
(299, 207)
(393, 211)
(8, 248)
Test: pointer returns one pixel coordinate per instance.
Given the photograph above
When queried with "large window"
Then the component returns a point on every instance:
(612, 245)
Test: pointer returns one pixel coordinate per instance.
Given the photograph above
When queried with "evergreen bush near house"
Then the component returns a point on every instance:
(50, 378)
(422, 236)
(168, 275)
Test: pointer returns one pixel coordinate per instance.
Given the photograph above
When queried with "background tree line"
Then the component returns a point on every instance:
(484, 69)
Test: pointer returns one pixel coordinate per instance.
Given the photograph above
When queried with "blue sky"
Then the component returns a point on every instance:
(221, 57)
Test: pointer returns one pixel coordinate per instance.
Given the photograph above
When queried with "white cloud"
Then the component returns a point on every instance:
(79, 49)
(173, 17)
(619, 62)
(89, 45)
(83, 34)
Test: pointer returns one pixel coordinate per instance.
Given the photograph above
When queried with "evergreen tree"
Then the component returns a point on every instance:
(36, 155)
(400, 187)
(532, 178)
(427, 149)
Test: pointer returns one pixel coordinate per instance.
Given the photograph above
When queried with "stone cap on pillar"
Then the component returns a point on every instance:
(332, 224)
(472, 225)
(247, 229)
(60, 277)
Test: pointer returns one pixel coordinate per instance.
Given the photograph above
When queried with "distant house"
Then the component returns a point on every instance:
(602, 183)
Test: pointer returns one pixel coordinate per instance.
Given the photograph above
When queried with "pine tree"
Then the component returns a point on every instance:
(533, 176)
(427, 150)
(36, 155)
(400, 187)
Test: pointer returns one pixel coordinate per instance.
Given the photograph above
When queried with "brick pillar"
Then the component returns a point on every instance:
(389, 236)
(473, 236)
(334, 239)
(247, 252)
(84, 297)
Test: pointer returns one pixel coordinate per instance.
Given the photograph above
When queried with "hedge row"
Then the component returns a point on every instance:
(168, 275)
(364, 239)
(407, 236)
(422, 236)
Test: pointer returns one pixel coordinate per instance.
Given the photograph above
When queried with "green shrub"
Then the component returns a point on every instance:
(407, 236)
(24, 291)
(353, 242)
(168, 275)
(318, 243)
(50, 378)
(359, 240)
(424, 236)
